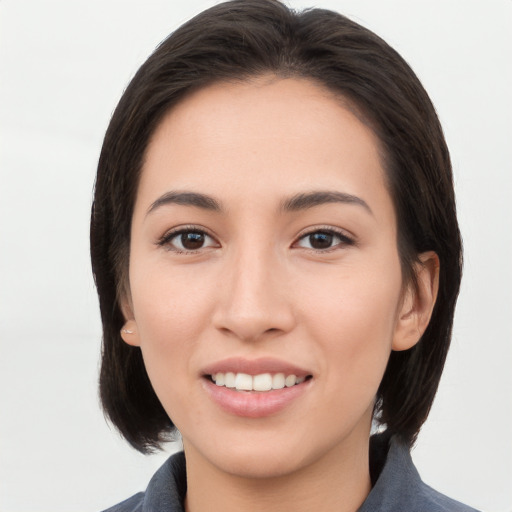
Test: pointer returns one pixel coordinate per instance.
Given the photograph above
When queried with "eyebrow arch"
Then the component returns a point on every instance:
(304, 201)
(186, 199)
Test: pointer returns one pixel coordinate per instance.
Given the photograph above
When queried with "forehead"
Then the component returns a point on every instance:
(263, 136)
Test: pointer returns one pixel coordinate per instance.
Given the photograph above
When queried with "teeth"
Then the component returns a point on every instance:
(261, 382)
(243, 382)
(278, 381)
(290, 381)
(229, 380)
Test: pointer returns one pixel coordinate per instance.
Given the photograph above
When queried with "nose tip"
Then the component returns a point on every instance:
(249, 328)
(254, 303)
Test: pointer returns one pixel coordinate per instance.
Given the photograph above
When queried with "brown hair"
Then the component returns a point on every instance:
(243, 38)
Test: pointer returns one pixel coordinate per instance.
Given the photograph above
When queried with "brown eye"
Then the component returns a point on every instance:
(192, 240)
(187, 240)
(323, 240)
(320, 240)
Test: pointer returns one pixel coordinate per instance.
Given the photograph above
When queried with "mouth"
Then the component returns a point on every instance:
(256, 388)
(262, 382)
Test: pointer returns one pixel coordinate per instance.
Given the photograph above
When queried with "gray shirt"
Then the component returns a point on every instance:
(396, 485)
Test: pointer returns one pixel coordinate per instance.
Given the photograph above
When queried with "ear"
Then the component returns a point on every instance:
(418, 303)
(129, 331)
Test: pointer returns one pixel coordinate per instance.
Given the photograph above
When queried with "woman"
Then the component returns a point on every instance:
(277, 255)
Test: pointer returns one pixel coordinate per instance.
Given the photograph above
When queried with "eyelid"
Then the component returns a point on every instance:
(169, 235)
(347, 239)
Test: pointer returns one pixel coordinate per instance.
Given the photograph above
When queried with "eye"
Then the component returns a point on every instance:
(323, 240)
(187, 240)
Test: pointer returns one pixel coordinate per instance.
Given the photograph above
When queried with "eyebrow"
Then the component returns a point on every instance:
(298, 202)
(304, 201)
(186, 199)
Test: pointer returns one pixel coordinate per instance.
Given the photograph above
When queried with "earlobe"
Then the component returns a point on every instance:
(418, 303)
(130, 334)
(129, 331)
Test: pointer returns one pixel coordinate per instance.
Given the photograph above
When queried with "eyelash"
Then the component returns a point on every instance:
(344, 240)
(167, 239)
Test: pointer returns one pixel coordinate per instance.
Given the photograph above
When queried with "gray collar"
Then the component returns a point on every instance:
(397, 485)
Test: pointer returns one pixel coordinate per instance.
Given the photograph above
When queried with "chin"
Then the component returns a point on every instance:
(268, 453)
(261, 463)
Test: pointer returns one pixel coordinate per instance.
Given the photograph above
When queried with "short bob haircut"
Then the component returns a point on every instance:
(235, 41)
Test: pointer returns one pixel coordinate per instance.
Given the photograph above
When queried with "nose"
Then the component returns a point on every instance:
(254, 298)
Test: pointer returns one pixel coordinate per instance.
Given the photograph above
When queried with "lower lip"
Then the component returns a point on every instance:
(254, 404)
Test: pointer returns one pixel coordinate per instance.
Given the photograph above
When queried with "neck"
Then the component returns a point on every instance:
(338, 482)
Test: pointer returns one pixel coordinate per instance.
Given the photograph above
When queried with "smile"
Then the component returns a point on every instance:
(255, 388)
(260, 382)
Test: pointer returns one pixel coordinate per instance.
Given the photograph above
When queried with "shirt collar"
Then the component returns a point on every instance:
(395, 480)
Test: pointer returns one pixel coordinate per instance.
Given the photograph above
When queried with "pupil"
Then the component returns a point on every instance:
(320, 240)
(192, 240)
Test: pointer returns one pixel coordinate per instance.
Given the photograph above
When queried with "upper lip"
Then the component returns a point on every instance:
(254, 367)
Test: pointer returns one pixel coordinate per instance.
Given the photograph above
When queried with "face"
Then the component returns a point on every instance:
(265, 283)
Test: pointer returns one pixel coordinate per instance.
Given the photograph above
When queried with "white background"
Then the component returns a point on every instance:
(64, 65)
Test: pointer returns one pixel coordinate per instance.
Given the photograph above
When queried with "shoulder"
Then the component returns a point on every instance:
(133, 504)
(438, 502)
(165, 492)
(397, 484)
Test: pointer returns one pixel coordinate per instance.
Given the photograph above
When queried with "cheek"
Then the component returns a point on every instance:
(167, 302)
(353, 319)
(170, 316)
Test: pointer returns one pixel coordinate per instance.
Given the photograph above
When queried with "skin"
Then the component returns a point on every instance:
(258, 288)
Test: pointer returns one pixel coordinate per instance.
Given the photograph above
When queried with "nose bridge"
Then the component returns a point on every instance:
(254, 299)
